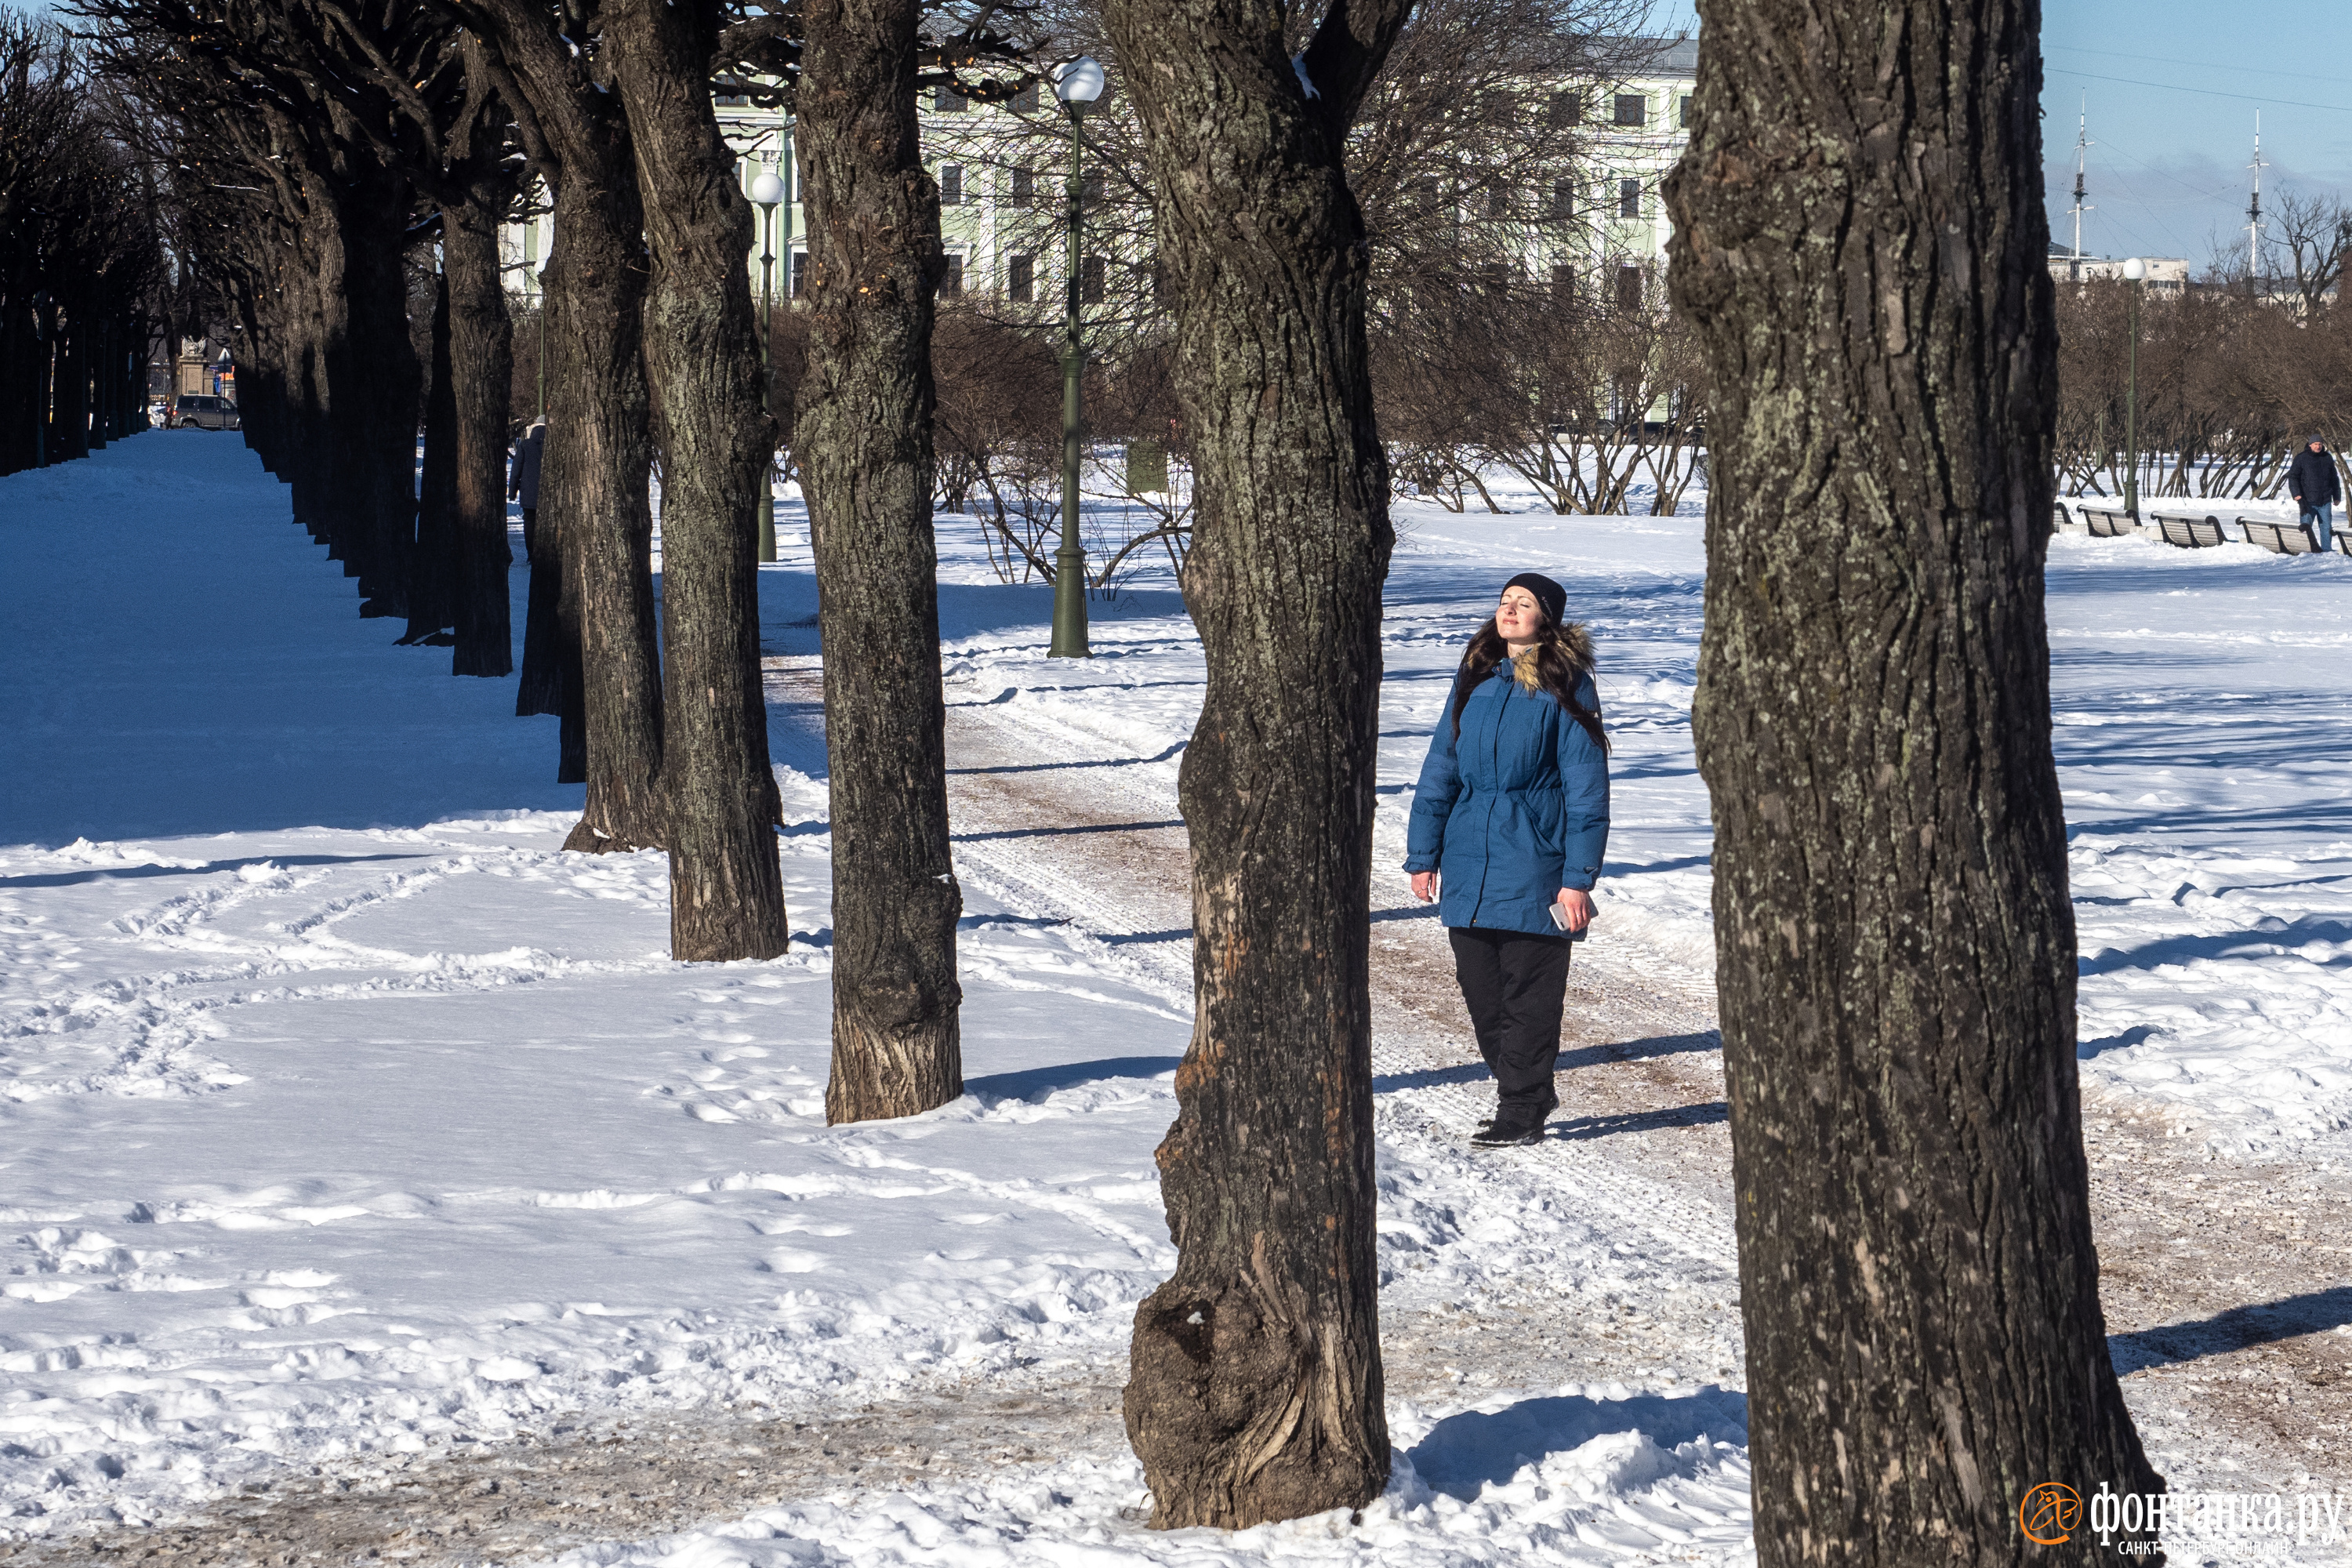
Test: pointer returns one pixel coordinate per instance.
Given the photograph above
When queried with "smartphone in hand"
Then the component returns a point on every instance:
(1559, 919)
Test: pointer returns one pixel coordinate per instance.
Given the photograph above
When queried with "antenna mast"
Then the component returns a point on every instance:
(2082, 144)
(2254, 208)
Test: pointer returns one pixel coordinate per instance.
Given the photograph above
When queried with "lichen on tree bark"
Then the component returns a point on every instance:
(1858, 238)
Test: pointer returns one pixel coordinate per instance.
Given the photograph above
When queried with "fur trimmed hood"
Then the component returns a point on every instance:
(1575, 645)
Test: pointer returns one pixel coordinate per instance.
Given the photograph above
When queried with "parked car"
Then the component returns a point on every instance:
(204, 412)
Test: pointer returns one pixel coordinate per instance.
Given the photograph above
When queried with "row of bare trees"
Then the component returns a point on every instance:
(1894, 952)
(2231, 382)
(84, 287)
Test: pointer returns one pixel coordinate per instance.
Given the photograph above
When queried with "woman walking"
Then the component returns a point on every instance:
(1509, 821)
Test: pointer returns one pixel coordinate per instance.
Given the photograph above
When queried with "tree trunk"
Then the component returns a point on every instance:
(593, 489)
(726, 889)
(1858, 238)
(71, 418)
(371, 386)
(864, 439)
(481, 357)
(431, 578)
(1256, 1388)
(598, 465)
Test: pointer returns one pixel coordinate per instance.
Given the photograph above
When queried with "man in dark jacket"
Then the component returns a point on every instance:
(523, 477)
(2313, 483)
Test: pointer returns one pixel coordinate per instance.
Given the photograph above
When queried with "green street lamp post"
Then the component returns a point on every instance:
(767, 192)
(2134, 271)
(1077, 84)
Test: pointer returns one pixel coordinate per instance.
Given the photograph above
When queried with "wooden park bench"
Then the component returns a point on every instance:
(2188, 530)
(2281, 538)
(2104, 525)
(2068, 522)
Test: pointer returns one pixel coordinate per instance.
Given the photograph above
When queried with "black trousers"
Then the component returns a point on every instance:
(1515, 984)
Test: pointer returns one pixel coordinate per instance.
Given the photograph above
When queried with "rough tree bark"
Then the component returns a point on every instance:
(726, 887)
(481, 341)
(863, 437)
(370, 377)
(432, 569)
(594, 486)
(1858, 238)
(1256, 1391)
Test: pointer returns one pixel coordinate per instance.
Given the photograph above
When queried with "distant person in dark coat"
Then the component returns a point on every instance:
(1509, 820)
(522, 477)
(2312, 482)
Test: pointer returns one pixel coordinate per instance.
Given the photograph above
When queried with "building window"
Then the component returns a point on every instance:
(1090, 280)
(1021, 278)
(799, 274)
(1567, 109)
(1090, 188)
(1632, 109)
(1629, 199)
(1563, 199)
(1563, 283)
(1629, 288)
(1025, 100)
(947, 101)
(1681, 111)
(950, 185)
(1499, 201)
(1024, 188)
(952, 281)
(1495, 277)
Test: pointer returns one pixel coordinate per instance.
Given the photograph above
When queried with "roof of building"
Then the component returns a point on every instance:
(1675, 57)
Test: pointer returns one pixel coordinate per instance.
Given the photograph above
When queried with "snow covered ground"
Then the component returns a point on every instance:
(342, 1115)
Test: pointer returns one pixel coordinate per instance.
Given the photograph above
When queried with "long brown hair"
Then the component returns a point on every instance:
(1562, 656)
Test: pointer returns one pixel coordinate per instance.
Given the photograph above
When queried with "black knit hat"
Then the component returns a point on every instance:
(1549, 594)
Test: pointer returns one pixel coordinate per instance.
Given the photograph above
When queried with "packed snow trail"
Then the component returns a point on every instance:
(337, 1151)
(386, 1186)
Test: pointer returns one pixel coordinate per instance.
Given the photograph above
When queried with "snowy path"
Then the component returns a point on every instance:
(360, 1149)
(335, 1151)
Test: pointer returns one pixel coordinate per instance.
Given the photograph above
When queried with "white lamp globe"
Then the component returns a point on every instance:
(767, 190)
(1079, 80)
(2135, 270)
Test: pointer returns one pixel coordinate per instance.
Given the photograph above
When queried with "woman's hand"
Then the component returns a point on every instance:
(1425, 885)
(1576, 908)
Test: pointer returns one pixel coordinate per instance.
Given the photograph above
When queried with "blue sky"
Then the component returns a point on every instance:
(2173, 88)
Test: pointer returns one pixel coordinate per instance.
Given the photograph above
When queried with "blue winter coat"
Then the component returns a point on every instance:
(1515, 810)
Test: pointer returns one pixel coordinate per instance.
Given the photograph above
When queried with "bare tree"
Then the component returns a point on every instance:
(864, 446)
(727, 897)
(1255, 1391)
(2311, 235)
(1895, 941)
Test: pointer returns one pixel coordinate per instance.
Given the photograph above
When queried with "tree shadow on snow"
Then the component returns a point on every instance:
(111, 873)
(1641, 1050)
(1480, 1448)
(1577, 1128)
(2085, 1050)
(1036, 1083)
(2277, 940)
(1064, 832)
(2235, 1330)
(1062, 767)
(1430, 1077)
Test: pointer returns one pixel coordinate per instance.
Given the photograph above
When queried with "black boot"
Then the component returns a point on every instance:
(1512, 1124)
